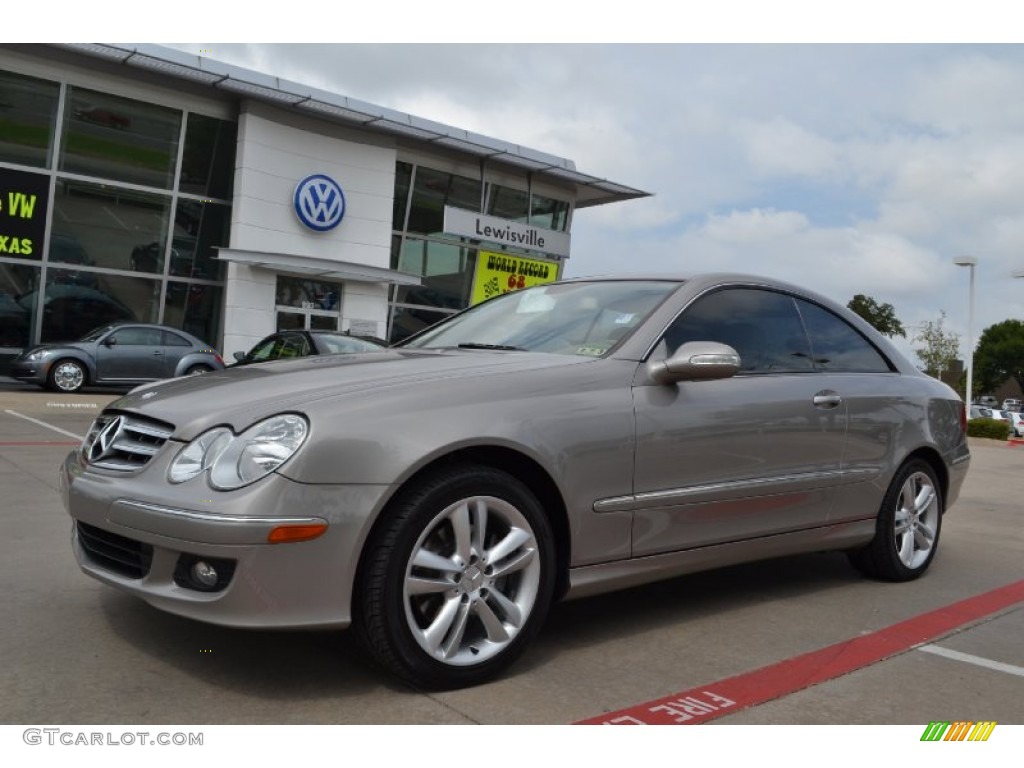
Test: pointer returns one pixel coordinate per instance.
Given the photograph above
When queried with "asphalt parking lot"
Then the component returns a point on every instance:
(802, 640)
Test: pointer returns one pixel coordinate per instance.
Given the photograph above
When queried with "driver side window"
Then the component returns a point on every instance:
(762, 326)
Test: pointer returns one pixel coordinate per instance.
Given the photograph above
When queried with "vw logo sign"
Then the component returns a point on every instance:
(319, 202)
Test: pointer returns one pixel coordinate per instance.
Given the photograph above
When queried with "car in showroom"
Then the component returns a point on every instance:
(556, 442)
(288, 344)
(117, 354)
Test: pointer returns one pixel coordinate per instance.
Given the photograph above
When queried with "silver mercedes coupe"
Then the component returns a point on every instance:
(555, 442)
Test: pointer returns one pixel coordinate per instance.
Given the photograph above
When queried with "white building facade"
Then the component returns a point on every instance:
(141, 183)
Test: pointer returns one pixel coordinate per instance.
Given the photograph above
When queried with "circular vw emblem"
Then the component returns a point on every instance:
(319, 202)
(102, 446)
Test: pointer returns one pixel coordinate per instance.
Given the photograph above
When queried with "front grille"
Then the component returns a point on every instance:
(119, 554)
(124, 442)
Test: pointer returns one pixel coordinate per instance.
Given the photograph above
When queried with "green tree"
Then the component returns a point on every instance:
(882, 317)
(1000, 355)
(939, 346)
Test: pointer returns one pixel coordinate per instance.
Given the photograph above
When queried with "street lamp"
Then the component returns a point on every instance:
(972, 262)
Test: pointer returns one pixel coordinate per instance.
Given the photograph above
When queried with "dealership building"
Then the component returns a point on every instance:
(143, 183)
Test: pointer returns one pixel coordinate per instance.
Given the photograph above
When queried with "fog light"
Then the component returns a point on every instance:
(204, 574)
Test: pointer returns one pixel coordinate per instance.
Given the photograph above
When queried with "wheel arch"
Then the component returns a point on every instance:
(515, 463)
(934, 460)
(82, 359)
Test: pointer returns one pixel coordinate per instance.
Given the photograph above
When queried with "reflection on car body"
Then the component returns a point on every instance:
(561, 441)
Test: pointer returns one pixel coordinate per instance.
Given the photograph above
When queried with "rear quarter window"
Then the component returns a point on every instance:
(837, 346)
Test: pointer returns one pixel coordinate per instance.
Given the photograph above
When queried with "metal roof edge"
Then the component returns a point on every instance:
(332, 106)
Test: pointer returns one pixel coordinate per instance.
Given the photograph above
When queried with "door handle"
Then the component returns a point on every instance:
(827, 399)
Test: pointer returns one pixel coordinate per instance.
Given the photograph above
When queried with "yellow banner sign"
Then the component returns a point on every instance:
(498, 273)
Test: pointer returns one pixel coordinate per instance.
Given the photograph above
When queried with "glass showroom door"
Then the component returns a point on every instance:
(307, 304)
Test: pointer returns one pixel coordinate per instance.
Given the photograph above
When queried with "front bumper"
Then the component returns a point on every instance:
(32, 373)
(166, 528)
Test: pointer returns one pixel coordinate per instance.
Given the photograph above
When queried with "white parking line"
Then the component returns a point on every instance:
(110, 213)
(978, 661)
(44, 424)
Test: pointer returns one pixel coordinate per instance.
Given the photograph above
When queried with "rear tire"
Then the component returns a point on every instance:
(907, 531)
(195, 370)
(457, 580)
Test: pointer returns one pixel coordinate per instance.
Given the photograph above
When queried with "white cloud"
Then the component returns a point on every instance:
(849, 169)
(781, 147)
(754, 227)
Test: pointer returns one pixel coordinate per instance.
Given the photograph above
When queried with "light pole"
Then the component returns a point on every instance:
(972, 262)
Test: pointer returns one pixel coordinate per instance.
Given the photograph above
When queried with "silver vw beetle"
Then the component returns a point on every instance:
(555, 442)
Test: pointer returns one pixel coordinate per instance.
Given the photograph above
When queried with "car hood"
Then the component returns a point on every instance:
(242, 395)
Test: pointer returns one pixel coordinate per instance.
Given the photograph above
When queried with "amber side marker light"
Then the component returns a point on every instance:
(286, 534)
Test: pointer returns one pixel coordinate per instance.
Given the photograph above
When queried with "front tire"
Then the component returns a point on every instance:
(457, 580)
(909, 522)
(67, 376)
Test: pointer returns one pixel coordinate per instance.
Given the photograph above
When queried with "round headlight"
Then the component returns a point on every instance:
(258, 451)
(199, 455)
(237, 460)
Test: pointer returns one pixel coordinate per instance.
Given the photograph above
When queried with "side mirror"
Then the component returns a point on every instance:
(239, 356)
(696, 361)
(110, 341)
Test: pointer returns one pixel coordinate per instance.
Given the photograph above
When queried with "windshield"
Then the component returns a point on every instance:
(585, 318)
(95, 333)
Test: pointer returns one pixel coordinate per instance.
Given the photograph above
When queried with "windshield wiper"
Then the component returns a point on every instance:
(506, 347)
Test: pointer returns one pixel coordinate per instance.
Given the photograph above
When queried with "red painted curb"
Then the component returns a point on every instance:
(707, 702)
(39, 442)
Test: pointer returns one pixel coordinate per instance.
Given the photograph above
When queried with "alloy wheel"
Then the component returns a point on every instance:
(471, 581)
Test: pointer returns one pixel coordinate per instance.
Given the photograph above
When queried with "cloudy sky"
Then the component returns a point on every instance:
(846, 168)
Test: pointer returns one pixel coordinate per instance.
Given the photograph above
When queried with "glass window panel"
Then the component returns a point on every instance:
(23, 203)
(324, 322)
(762, 326)
(428, 197)
(396, 250)
(193, 308)
(403, 175)
(105, 226)
(118, 138)
(548, 212)
(18, 298)
(447, 272)
(464, 193)
(71, 309)
(208, 161)
(28, 115)
(290, 320)
(307, 294)
(432, 190)
(837, 346)
(406, 321)
(199, 229)
(512, 204)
